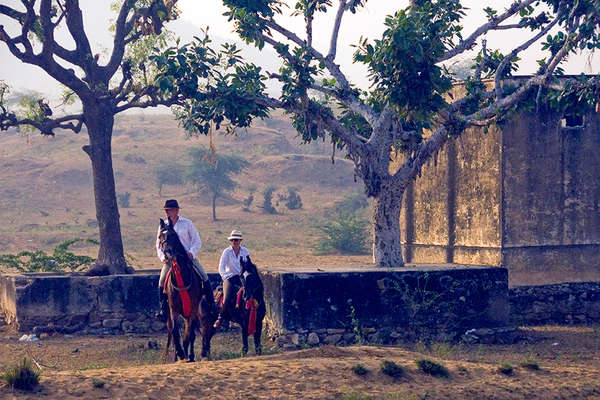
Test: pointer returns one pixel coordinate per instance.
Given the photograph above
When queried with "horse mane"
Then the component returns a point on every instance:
(176, 245)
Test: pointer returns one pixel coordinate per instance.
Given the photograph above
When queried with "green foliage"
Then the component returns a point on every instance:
(360, 369)
(530, 364)
(352, 203)
(38, 261)
(392, 369)
(247, 202)
(98, 383)
(268, 200)
(359, 336)
(22, 376)
(403, 63)
(218, 85)
(432, 368)
(123, 199)
(293, 200)
(347, 234)
(168, 173)
(506, 369)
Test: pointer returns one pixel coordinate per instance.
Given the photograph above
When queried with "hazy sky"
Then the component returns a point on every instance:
(196, 14)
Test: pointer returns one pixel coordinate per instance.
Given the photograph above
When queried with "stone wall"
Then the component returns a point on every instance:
(308, 306)
(564, 303)
(93, 305)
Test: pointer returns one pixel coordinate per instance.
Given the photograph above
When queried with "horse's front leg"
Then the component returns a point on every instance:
(191, 339)
(258, 335)
(179, 353)
(244, 324)
(206, 320)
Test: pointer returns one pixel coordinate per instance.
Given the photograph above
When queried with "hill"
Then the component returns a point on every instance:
(46, 191)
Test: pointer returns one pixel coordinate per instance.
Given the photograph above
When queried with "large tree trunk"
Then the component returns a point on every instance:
(387, 250)
(99, 119)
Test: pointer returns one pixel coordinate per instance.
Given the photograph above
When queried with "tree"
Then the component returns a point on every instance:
(104, 90)
(212, 172)
(168, 173)
(409, 112)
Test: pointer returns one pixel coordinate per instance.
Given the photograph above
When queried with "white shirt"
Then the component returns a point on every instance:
(188, 235)
(229, 265)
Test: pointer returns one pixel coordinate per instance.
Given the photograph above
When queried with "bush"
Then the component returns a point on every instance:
(268, 200)
(360, 370)
(347, 234)
(530, 364)
(23, 376)
(505, 369)
(392, 369)
(98, 383)
(432, 368)
(123, 199)
(39, 261)
(293, 200)
(352, 203)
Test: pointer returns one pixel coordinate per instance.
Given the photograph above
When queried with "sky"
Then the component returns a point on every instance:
(368, 22)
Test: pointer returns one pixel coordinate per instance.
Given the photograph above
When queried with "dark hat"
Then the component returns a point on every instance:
(171, 203)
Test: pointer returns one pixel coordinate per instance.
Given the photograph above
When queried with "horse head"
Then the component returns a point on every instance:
(169, 240)
(250, 279)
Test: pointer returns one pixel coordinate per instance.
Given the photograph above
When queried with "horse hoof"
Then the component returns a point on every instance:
(191, 360)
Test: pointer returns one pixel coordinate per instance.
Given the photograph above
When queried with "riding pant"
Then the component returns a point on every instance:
(230, 287)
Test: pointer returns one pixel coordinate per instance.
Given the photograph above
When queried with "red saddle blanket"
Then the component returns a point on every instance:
(186, 302)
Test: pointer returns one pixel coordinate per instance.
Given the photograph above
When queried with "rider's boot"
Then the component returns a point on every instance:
(163, 314)
(210, 297)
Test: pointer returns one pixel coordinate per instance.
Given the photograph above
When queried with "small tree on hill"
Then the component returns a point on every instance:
(168, 174)
(409, 111)
(213, 173)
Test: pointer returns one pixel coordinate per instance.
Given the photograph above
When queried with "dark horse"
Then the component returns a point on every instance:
(250, 305)
(199, 312)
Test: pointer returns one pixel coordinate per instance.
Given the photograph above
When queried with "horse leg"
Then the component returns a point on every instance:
(186, 338)
(207, 331)
(257, 336)
(179, 353)
(244, 324)
(192, 339)
(169, 337)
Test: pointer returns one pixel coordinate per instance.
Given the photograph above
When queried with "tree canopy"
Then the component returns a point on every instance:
(409, 110)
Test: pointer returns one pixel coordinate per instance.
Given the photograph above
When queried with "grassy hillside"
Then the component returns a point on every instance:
(46, 193)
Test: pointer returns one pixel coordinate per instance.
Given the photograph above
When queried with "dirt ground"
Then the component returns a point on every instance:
(120, 367)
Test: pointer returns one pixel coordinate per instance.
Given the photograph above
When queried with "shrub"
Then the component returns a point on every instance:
(293, 200)
(347, 234)
(123, 199)
(392, 369)
(432, 368)
(352, 203)
(360, 370)
(39, 261)
(98, 383)
(23, 376)
(268, 200)
(530, 364)
(505, 369)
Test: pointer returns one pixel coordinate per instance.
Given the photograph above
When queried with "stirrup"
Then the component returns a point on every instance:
(218, 323)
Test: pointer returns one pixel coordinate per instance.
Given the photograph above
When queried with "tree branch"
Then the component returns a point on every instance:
(336, 30)
(468, 43)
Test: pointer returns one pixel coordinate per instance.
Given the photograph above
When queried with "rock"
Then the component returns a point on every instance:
(313, 338)
(111, 323)
(335, 331)
(332, 339)
(294, 338)
(157, 326)
(29, 338)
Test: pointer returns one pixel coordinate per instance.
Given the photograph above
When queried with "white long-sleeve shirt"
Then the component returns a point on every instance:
(229, 265)
(188, 235)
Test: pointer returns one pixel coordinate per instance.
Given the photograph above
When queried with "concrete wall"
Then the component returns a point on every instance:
(525, 195)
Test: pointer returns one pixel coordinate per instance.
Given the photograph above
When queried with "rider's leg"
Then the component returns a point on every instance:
(206, 287)
(229, 286)
(163, 313)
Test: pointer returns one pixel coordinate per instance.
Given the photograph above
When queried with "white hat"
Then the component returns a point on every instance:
(235, 234)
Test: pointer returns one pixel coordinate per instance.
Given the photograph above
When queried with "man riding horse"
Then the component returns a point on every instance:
(190, 239)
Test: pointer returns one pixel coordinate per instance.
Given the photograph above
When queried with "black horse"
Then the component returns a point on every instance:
(198, 312)
(250, 307)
